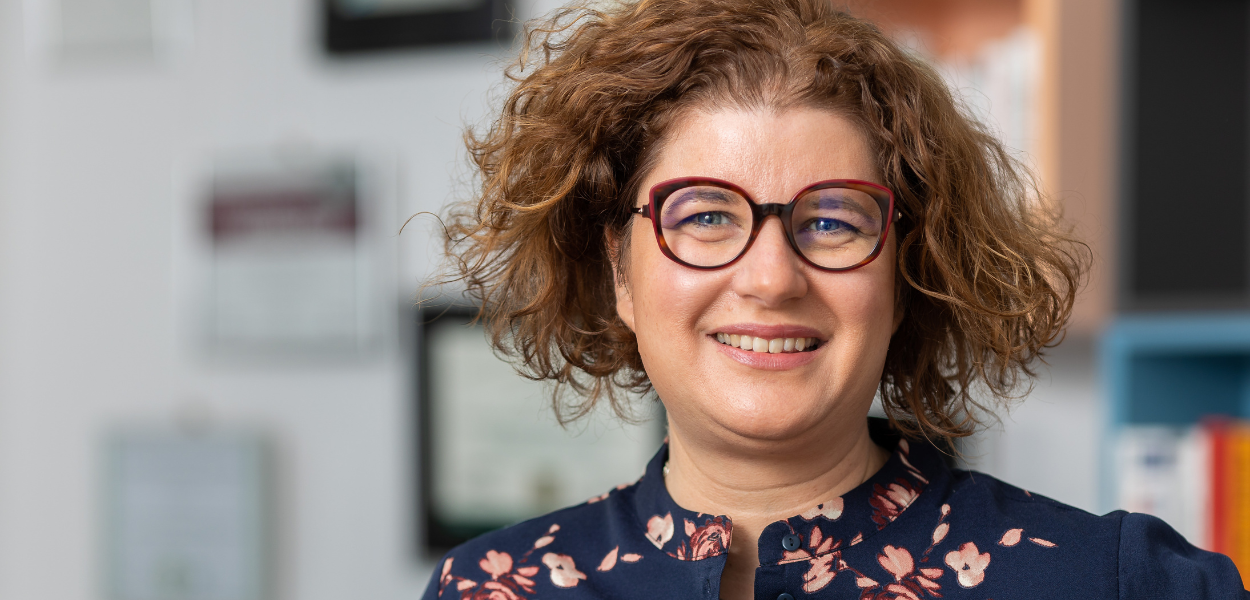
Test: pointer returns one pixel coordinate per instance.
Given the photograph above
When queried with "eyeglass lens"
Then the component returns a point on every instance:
(709, 226)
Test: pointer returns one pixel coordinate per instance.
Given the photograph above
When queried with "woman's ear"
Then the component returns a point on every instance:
(617, 247)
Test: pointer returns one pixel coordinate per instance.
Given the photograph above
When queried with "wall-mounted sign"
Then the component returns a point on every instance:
(185, 517)
(289, 265)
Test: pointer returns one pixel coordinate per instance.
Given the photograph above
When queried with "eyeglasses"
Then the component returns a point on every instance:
(706, 223)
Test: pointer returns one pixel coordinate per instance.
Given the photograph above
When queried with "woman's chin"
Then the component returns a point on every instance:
(764, 423)
(750, 411)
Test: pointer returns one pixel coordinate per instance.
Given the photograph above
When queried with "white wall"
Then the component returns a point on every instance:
(1050, 442)
(101, 162)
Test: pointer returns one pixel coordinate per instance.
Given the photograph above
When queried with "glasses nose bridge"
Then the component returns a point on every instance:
(777, 209)
(763, 211)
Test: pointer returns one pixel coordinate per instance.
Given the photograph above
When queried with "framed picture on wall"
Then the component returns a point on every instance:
(490, 452)
(356, 26)
(187, 515)
(291, 265)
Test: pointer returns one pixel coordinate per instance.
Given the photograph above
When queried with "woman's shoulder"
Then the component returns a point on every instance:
(555, 549)
(1154, 557)
(540, 531)
(995, 500)
(1145, 556)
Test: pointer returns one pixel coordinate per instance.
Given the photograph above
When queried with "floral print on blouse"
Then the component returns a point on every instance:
(916, 530)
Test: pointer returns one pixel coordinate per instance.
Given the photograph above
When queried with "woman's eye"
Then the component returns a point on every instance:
(709, 218)
(827, 225)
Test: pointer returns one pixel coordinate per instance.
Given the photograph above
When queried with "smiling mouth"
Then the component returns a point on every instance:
(765, 346)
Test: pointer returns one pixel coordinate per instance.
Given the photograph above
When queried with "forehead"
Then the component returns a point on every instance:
(771, 154)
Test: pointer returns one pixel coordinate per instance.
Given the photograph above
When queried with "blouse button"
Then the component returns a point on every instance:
(785, 596)
(791, 543)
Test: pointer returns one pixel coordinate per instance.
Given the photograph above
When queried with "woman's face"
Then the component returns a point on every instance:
(735, 395)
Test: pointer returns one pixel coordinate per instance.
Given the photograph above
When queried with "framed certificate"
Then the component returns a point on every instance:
(490, 450)
(354, 26)
(291, 263)
(186, 516)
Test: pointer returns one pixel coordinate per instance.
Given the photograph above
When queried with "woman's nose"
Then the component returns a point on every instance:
(770, 272)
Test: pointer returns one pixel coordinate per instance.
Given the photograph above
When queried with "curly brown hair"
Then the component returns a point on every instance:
(987, 274)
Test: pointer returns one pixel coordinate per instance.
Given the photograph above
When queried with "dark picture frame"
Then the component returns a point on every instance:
(349, 32)
(433, 535)
(446, 331)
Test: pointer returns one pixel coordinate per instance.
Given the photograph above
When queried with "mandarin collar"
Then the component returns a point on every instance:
(911, 477)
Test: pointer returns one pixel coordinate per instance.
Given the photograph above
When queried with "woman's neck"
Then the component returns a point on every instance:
(758, 487)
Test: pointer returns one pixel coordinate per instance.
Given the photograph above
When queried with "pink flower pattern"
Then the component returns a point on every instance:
(969, 564)
(903, 574)
(505, 583)
(831, 510)
(564, 572)
(912, 579)
(660, 529)
(513, 579)
(704, 541)
(888, 502)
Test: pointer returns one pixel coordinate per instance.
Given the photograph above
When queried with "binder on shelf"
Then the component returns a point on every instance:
(1232, 519)
(1195, 478)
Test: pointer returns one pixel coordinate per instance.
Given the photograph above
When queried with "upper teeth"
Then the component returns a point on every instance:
(773, 346)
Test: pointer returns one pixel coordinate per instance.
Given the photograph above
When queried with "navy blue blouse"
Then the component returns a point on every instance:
(916, 530)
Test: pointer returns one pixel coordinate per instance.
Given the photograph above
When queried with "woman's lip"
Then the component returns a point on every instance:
(770, 332)
(767, 361)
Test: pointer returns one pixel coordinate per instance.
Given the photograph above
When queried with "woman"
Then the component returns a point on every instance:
(768, 213)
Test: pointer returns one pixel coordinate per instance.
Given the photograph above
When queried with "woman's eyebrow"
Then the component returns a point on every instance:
(839, 201)
(716, 195)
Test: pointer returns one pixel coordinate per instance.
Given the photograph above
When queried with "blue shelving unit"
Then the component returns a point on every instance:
(1172, 369)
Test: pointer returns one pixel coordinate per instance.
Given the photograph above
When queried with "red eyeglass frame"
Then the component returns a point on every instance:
(661, 192)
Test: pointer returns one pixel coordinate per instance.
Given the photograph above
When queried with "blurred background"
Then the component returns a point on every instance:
(214, 383)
